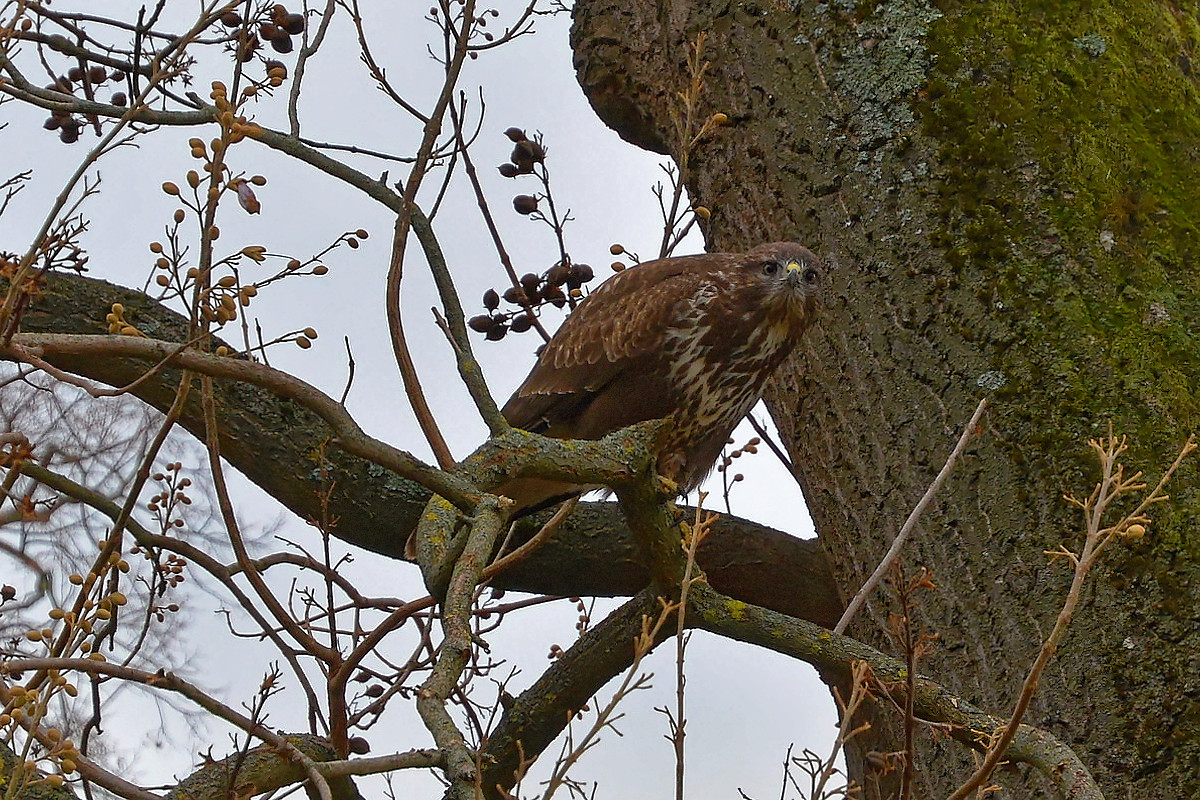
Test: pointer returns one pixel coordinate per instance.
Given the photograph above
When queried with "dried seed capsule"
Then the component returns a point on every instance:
(525, 204)
(554, 295)
(293, 23)
(558, 274)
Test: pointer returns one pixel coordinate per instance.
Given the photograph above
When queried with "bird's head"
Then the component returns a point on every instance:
(791, 277)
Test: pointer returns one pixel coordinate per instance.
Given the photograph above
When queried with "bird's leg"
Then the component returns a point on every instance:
(668, 488)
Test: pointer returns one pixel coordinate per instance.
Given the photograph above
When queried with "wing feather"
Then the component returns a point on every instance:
(610, 337)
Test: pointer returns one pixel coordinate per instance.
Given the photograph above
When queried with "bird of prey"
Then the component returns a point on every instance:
(692, 339)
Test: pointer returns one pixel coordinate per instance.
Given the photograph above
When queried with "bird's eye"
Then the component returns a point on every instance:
(770, 268)
(810, 275)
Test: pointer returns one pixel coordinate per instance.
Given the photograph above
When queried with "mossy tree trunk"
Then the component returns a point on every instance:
(1009, 192)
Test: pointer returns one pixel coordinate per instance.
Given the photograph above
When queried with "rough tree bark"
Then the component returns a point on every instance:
(1009, 193)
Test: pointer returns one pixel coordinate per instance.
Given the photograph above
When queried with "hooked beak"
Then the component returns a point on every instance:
(794, 270)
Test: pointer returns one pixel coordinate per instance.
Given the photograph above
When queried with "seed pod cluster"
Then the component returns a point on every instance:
(526, 153)
(727, 458)
(276, 27)
(86, 81)
(559, 286)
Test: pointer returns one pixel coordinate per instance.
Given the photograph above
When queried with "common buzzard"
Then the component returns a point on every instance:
(691, 338)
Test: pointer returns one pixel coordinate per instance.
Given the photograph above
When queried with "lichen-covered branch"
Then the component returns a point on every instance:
(833, 654)
(266, 436)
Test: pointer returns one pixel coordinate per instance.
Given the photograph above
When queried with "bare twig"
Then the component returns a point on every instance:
(1112, 485)
(898, 543)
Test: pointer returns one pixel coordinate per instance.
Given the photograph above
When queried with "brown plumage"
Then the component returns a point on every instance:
(691, 338)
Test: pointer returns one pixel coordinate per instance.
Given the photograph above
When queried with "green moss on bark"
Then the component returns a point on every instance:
(1068, 196)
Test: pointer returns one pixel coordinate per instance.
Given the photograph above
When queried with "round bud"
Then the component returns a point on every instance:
(97, 74)
(507, 170)
(515, 134)
(491, 300)
(554, 294)
(119, 99)
(524, 155)
(523, 204)
(616, 249)
(231, 19)
(481, 323)
(521, 323)
(293, 23)
(171, 189)
(558, 275)
(282, 44)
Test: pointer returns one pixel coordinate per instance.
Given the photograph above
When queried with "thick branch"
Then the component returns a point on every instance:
(272, 441)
